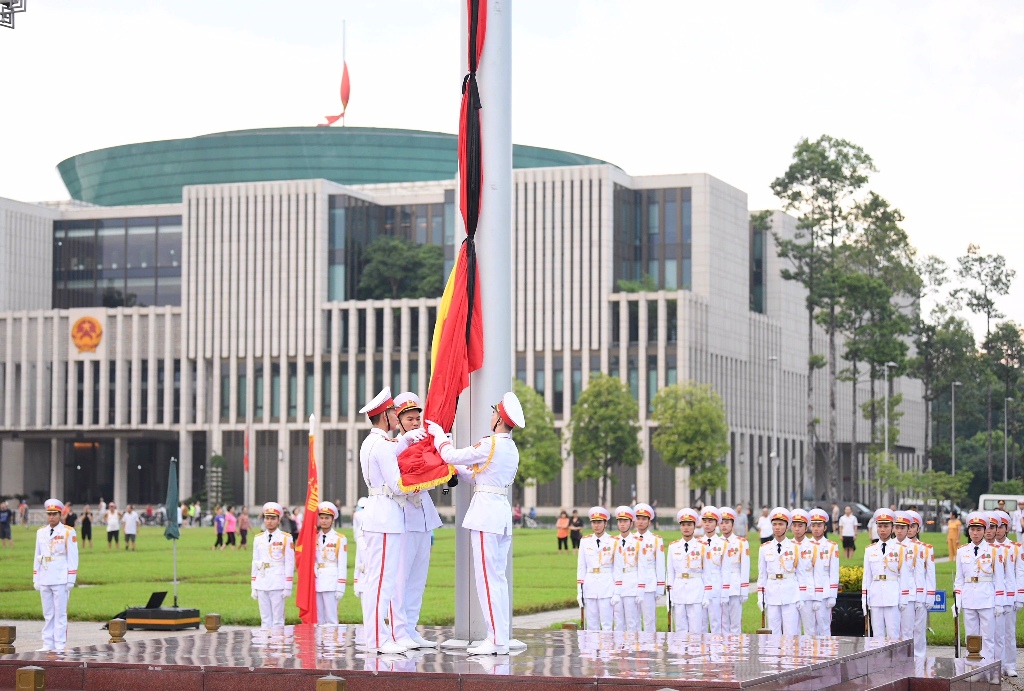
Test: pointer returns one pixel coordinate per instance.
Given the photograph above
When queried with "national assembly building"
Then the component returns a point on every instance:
(199, 298)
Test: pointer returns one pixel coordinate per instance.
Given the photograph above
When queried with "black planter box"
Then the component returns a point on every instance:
(847, 616)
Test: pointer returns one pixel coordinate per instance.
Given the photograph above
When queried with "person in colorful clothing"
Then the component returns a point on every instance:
(688, 574)
(777, 586)
(735, 574)
(331, 564)
(978, 587)
(54, 572)
(625, 611)
(650, 567)
(595, 582)
(826, 573)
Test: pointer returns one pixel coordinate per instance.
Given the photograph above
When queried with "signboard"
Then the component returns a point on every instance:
(939, 605)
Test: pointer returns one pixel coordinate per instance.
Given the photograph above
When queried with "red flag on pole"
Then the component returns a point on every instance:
(245, 453)
(305, 548)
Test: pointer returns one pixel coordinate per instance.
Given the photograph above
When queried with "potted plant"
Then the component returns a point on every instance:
(848, 617)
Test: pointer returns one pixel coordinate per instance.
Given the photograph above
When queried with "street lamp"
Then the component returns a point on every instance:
(952, 423)
(1006, 433)
(888, 367)
(773, 456)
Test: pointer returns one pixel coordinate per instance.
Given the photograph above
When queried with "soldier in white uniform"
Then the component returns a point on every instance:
(710, 518)
(273, 567)
(777, 586)
(382, 524)
(492, 463)
(885, 591)
(625, 612)
(978, 586)
(1011, 605)
(595, 582)
(421, 519)
(1001, 598)
(650, 583)
(735, 574)
(826, 572)
(688, 574)
(54, 571)
(331, 564)
(807, 557)
(915, 571)
(925, 589)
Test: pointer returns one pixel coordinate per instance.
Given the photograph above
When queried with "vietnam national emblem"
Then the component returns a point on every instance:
(86, 334)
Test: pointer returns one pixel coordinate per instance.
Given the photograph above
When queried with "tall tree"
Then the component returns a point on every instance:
(692, 432)
(985, 277)
(540, 448)
(1004, 353)
(398, 268)
(604, 431)
(820, 187)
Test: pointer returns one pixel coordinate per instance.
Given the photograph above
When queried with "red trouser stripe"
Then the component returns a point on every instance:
(380, 585)
(487, 587)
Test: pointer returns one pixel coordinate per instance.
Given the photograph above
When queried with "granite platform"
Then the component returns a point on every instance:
(294, 657)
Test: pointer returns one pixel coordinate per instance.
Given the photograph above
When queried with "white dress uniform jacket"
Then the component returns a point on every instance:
(736, 567)
(331, 562)
(626, 613)
(379, 462)
(56, 559)
(594, 568)
(359, 565)
(886, 582)
(493, 463)
(650, 563)
(777, 573)
(978, 588)
(273, 561)
(826, 571)
(689, 572)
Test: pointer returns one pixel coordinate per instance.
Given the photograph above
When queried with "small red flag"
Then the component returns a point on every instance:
(305, 548)
(346, 88)
(245, 453)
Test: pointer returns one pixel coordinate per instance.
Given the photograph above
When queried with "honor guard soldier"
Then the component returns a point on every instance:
(925, 589)
(777, 586)
(806, 559)
(273, 567)
(885, 592)
(1006, 601)
(331, 564)
(383, 522)
(826, 573)
(915, 572)
(735, 574)
(54, 571)
(650, 583)
(978, 586)
(688, 575)
(1013, 582)
(625, 612)
(421, 519)
(493, 463)
(594, 579)
(710, 518)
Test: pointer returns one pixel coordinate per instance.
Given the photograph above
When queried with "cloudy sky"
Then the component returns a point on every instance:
(934, 91)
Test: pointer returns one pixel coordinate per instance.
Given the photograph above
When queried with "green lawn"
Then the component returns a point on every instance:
(544, 579)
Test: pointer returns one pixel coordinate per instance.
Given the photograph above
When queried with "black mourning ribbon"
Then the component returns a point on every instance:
(779, 545)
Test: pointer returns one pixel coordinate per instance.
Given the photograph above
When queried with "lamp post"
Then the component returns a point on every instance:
(952, 423)
(1006, 434)
(888, 367)
(773, 456)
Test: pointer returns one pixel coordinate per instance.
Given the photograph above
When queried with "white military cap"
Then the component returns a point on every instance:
(53, 505)
(272, 508)
(643, 510)
(902, 518)
(884, 516)
(686, 515)
(510, 410)
(977, 518)
(327, 507)
(915, 518)
(625, 512)
(993, 519)
(818, 515)
(1004, 518)
(779, 513)
(379, 404)
(599, 513)
(728, 514)
(711, 513)
(800, 515)
(407, 401)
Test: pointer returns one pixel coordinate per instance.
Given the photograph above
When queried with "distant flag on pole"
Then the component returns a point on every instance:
(346, 87)
(305, 549)
(458, 344)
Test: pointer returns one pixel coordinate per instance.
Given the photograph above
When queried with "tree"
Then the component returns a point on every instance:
(985, 278)
(398, 268)
(693, 433)
(646, 284)
(603, 431)
(540, 448)
(1004, 355)
(819, 186)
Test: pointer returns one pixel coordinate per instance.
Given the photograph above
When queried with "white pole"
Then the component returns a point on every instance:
(494, 258)
(773, 456)
(174, 517)
(952, 421)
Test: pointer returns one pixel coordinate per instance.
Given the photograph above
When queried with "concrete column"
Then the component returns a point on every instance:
(529, 497)
(12, 466)
(282, 452)
(185, 464)
(120, 471)
(56, 469)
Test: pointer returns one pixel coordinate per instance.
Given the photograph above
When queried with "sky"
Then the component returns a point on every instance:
(933, 91)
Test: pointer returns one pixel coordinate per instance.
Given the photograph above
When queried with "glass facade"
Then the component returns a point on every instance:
(757, 259)
(117, 262)
(653, 237)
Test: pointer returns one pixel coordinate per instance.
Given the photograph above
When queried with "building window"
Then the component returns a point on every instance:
(652, 380)
(558, 402)
(325, 391)
(225, 392)
(177, 391)
(293, 391)
(577, 379)
(310, 390)
(257, 404)
(243, 393)
(343, 393)
(671, 321)
(634, 380)
(758, 227)
(275, 391)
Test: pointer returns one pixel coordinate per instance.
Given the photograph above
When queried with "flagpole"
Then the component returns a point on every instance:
(175, 569)
(343, 62)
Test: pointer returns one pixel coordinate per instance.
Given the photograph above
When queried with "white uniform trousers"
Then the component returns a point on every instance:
(783, 619)
(271, 607)
(1010, 640)
(908, 620)
(732, 615)
(55, 616)
(626, 614)
(327, 607)
(598, 613)
(980, 622)
(995, 651)
(413, 564)
(490, 556)
(688, 618)
(808, 618)
(712, 616)
(649, 611)
(382, 551)
(823, 620)
(885, 622)
(920, 633)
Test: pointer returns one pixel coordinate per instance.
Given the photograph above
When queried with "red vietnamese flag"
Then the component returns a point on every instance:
(305, 560)
(245, 454)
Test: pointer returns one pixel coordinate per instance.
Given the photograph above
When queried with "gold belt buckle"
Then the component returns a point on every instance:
(684, 575)
(778, 576)
(47, 558)
(974, 579)
(266, 565)
(882, 577)
(596, 570)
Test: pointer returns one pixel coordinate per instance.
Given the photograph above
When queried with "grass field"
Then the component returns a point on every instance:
(544, 579)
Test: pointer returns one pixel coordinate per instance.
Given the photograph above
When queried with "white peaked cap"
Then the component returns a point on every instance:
(327, 507)
(511, 411)
(379, 404)
(407, 400)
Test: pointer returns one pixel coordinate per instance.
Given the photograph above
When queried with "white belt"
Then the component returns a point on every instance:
(385, 491)
(688, 576)
(628, 569)
(979, 579)
(490, 489)
(779, 576)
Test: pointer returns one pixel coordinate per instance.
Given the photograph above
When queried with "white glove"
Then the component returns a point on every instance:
(864, 604)
(639, 598)
(70, 586)
(918, 606)
(616, 599)
(661, 591)
(1017, 606)
(830, 602)
(957, 602)
(903, 606)
(704, 603)
(815, 606)
(760, 603)
(286, 593)
(579, 597)
(743, 598)
(341, 593)
(434, 430)
(37, 586)
(252, 594)
(799, 605)
(999, 611)
(416, 435)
